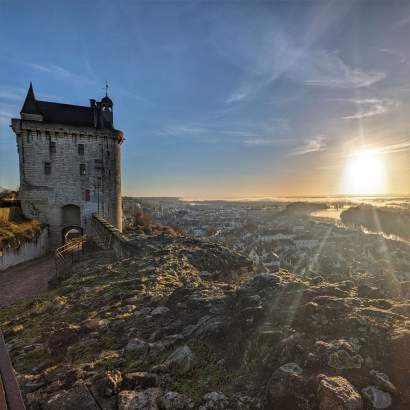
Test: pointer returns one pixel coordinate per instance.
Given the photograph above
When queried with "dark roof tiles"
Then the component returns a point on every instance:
(30, 103)
(66, 114)
(58, 113)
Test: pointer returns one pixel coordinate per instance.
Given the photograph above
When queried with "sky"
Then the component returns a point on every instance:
(222, 98)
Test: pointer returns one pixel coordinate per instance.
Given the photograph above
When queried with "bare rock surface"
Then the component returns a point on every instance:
(153, 331)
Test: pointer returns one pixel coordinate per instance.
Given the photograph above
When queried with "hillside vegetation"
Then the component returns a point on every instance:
(186, 324)
(391, 221)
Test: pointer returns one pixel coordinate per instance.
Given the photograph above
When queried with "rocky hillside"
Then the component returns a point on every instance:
(188, 325)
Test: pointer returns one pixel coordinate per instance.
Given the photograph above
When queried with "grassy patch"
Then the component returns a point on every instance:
(15, 234)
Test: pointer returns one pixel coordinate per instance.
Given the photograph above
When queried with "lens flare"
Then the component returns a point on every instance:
(364, 174)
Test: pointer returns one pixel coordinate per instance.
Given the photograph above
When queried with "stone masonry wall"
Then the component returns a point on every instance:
(109, 237)
(44, 196)
(29, 250)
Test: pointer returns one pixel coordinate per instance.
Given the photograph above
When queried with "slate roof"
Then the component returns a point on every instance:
(30, 104)
(66, 114)
(58, 113)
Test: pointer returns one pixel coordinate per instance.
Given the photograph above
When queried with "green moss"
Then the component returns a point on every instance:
(33, 359)
(208, 375)
(134, 362)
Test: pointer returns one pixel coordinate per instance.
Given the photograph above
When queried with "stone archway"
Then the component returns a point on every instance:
(71, 221)
(71, 232)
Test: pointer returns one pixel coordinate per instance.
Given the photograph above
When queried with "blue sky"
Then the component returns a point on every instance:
(221, 98)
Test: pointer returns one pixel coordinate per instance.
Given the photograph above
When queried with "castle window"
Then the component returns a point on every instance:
(82, 169)
(98, 165)
(28, 135)
(87, 195)
(48, 134)
(108, 154)
(52, 147)
(38, 133)
(80, 149)
(47, 168)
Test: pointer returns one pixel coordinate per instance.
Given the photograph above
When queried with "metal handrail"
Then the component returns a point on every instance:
(70, 248)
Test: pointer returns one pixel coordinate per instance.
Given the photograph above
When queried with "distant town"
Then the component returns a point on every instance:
(283, 235)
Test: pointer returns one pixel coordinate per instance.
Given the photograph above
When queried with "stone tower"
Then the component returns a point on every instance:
(69, 164)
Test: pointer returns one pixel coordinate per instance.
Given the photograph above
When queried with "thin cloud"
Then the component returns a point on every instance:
(264, 54)
(61, 72)
(397, 53)
(263, 142)
(12, 94)
(181, 130)
(5, 117)
(393, 148)
(236, 97)
(370, 108)
(323, 69)
(315, 144)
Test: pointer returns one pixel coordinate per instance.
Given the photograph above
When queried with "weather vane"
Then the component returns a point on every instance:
(106, 88)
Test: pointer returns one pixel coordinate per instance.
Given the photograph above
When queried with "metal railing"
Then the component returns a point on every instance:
(10, 394)
(65, 256)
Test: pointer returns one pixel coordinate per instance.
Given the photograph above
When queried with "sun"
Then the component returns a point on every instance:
(364, 174)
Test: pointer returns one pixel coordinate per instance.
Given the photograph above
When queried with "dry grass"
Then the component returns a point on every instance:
(15, 234)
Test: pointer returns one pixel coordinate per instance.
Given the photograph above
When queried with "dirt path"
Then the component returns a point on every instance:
(26, 281)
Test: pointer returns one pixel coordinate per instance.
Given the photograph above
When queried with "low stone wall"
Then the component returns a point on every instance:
(109, 237)
(29, 250)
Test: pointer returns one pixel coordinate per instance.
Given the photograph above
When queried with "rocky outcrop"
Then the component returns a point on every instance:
(152, 331)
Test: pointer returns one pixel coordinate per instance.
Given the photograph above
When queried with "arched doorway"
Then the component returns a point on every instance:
(71, 232)
(71, 220)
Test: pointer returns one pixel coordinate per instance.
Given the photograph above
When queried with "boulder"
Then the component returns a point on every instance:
(181, 360)
(139, 400)
(286, 381)
(160, 311)
(376, 397)
(137, 345)
(400, 362)
(341, 359)
(264, 280)
(59, 340)
(142, 380)
(382, 381)
(371, 292)
(336, 393)
(214, 401)
(109, 383)
(172, 400)
(79, 397)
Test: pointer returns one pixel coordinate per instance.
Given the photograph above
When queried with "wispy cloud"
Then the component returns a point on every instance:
(397, 53)
(264, 142)
(315, 144)
(61, 72)
(236, 97)
(5, 117)
(12, 94)
(325, 69)
(370, 107)
(266, 53)
(393, 148)
(181, 130)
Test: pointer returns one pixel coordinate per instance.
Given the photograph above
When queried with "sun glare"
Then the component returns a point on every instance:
(364, 174)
